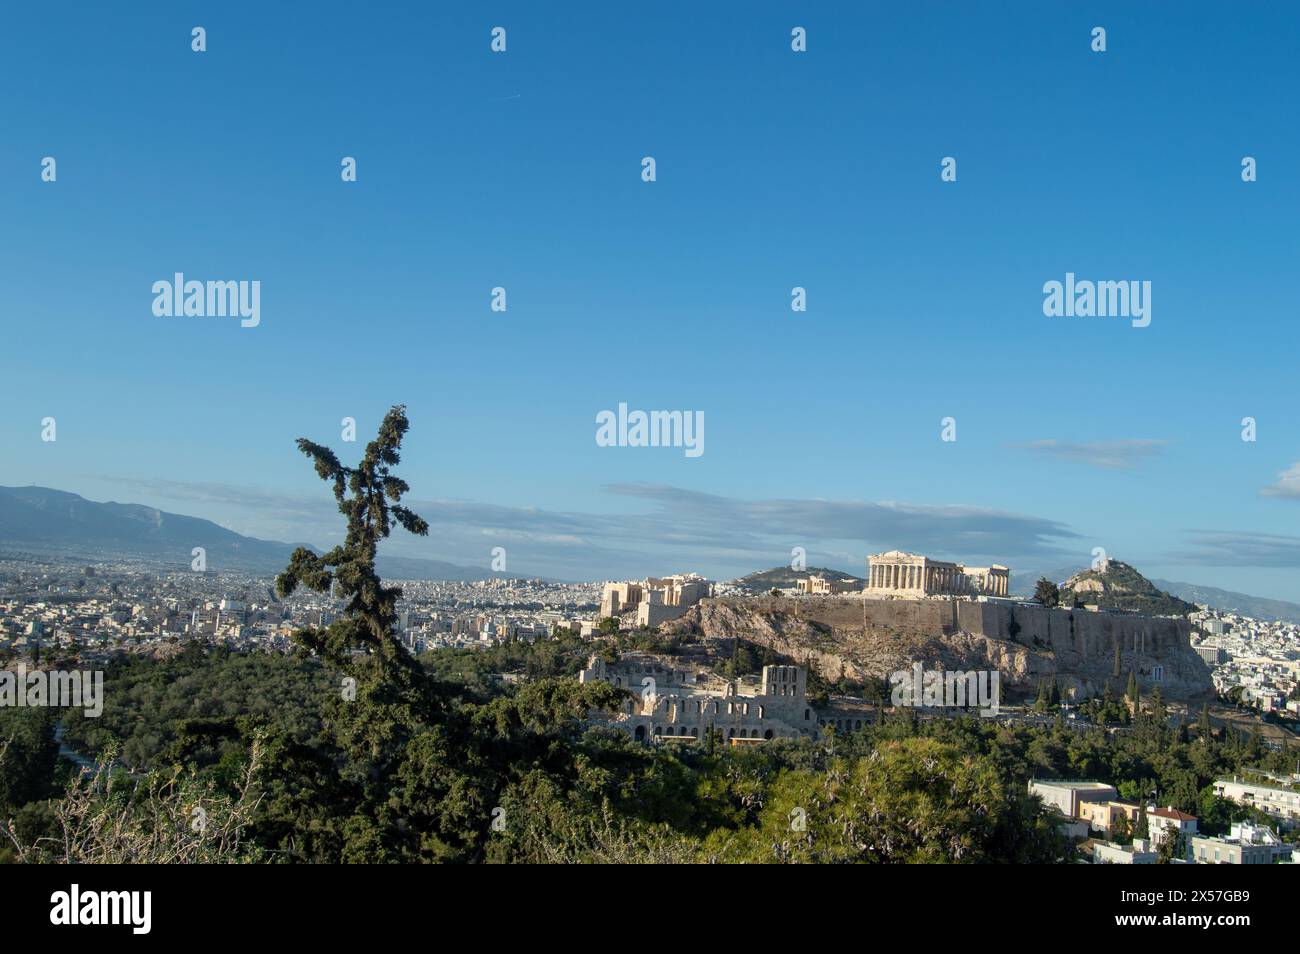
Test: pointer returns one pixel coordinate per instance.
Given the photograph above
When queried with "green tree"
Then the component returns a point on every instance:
(416, 789)
(913, 800)
(1047, 592)
(369, 497)
(1158, 711)
(1172, 846)
(28, 755)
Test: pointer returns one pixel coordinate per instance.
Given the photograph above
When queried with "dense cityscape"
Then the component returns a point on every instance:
(94, 611)
(1254, 660)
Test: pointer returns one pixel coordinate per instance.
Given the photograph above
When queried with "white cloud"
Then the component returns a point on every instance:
(1112, 455)
(1288, 484)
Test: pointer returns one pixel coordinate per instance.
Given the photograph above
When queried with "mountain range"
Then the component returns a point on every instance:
(41, 521)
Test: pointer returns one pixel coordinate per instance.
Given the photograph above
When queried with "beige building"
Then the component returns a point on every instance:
(1066, 797)
(654, 599)
(896, 573)
(820, 586)
(1103, 816)
(684, 705)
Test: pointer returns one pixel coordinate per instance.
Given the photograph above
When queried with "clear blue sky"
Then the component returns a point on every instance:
(775, 169)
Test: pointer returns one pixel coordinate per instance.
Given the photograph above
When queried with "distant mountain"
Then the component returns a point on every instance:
(1258, 607)
(418, 568)
(1022, 584)
(42, 521)
(783, 576)
(1120, 587)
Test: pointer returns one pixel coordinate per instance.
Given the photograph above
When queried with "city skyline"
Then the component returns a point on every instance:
(523, 170)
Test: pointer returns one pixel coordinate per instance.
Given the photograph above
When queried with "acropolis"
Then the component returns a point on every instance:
(896, 573)
(654, 600)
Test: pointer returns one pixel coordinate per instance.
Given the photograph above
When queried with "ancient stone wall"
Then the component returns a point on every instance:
(1026, 642)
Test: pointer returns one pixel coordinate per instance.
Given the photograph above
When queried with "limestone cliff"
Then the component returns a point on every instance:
(1025, 643)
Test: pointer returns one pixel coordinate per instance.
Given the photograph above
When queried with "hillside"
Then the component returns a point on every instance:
(54, 523)
(1025, 643)
(783, 576)
(1257, 607)
(1121, 587)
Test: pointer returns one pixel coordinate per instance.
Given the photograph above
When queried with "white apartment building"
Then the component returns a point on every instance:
(1282, 804)
(1246, 844)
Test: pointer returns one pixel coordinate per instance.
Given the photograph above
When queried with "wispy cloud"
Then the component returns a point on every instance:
(951, 529)
(255, 498)
(1288, 484)
(658, 529)
(1112, 455)
(1241, 548)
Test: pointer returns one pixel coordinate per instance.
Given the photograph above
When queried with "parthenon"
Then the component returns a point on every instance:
(909, 574)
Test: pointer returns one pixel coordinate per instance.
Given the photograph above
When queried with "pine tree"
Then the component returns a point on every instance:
(1140, 829)
(1116, 672)
(1207, 730)
(1133, 693)
(368, 496)
(394, 696)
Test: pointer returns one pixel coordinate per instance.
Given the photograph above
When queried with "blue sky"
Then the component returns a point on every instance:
(775, 169)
